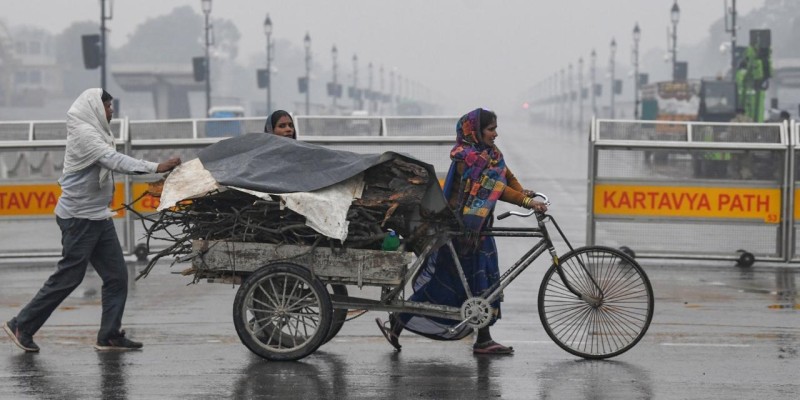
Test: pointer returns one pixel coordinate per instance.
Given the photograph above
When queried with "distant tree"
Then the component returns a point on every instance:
(177, 37)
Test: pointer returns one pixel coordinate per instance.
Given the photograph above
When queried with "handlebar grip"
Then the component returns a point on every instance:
(504, 215)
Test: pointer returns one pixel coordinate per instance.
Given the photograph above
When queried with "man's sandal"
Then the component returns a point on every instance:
(388, 333)
(491, 347)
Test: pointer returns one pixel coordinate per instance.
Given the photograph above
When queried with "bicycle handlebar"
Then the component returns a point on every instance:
(524, 214)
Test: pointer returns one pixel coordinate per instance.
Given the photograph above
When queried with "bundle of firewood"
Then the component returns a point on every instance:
(393, 192)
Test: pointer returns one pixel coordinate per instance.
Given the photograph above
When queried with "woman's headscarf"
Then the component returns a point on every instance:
(484, 177)
(273, 119)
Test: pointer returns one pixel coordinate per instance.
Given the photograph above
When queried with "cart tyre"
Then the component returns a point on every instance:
(282, 312)
(339, 314)
(613, 322)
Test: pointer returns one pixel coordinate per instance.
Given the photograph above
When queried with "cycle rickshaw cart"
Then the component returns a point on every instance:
(594, 302)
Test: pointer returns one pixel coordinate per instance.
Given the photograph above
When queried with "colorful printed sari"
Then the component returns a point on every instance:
(481, 185)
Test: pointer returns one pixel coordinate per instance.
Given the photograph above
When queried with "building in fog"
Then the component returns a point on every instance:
(29, 72)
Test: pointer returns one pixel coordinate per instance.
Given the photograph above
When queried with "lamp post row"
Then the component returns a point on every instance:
(335, 92)
(564, 90)
(206, 6)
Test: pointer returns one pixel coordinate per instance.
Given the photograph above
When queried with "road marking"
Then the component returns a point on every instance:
(529, 341)
(705, 345)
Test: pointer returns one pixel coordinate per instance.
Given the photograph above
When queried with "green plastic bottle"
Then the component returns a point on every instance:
(391, 242)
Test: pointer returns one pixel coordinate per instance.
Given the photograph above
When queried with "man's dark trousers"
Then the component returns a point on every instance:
(83, 241)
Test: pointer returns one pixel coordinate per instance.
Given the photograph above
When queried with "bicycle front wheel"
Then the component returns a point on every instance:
(616, 309)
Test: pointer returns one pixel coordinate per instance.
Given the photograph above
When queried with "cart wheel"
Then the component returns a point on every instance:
(627, 250)
(141, 251)
(339, 314)
(746, 259)
(615, 312)
(282, 313)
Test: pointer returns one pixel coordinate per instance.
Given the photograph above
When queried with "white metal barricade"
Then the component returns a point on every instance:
(695, 190)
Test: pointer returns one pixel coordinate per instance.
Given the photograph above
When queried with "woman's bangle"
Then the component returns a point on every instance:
(527, 202)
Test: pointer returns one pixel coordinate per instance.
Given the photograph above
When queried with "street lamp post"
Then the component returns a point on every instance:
(103, 17)
(399, 88)
(307, 43)
(335, 56)
(392, 100)
(675, 15)
(732, 30)
(381, 89)
(562, 108)
(206, 4)
(268, 32)
(611, 66)
(637, 34)
(570, 89)
(593, 58)
(355, 83)
(370, 98)
(580, 92)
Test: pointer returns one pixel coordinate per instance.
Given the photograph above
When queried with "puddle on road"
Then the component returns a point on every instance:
(784, 289)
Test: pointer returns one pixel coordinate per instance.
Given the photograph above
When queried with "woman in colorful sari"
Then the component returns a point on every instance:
(477, 178)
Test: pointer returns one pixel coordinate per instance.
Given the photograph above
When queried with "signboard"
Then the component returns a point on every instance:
(689, 202)
(41, 199)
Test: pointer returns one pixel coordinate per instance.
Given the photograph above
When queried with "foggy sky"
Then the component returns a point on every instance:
(471, 52)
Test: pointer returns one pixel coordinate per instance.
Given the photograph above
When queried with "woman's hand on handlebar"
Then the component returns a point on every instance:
(534, 205)
(537, 206)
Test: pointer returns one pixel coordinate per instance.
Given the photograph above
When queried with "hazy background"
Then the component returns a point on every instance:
(465, 53)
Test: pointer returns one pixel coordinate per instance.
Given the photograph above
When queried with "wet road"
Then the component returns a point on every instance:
(718, 332)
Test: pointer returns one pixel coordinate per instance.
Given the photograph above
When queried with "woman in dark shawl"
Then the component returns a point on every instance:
(280, 123)
(477, 178)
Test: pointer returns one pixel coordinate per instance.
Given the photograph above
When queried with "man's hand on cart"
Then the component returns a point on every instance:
(168, 165)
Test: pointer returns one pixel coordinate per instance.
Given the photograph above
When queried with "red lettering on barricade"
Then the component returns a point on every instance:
(736, 204)
(624, 201)
(638, 199)
(688, 201)
(704, 203)
(724, 200)
(762, 202)
(664, 202)
(608, 199)
(21, 200)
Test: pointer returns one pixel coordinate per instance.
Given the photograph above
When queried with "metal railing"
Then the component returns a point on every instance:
(308, 126)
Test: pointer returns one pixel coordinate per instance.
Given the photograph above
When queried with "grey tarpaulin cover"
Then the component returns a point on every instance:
(274, 164)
